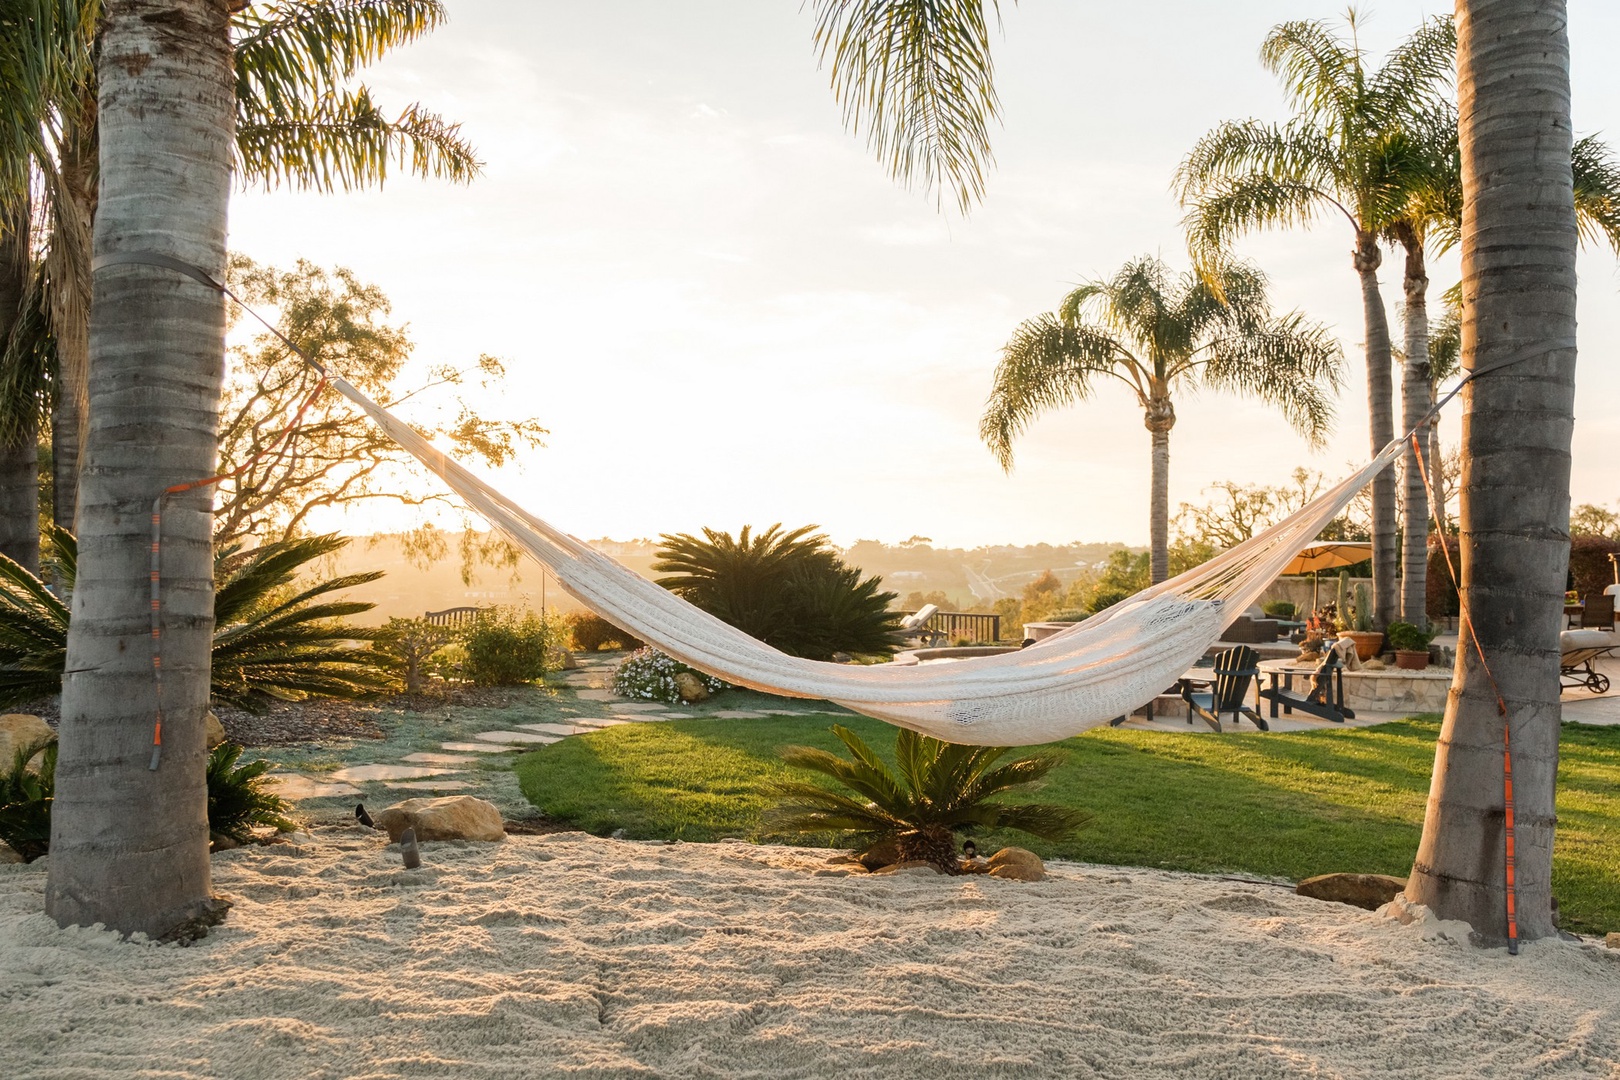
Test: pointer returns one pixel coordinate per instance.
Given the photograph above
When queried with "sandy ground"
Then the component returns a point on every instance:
(569, 955)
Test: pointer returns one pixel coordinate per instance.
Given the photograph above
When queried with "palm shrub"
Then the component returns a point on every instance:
(504, 648)
(25, 800)
(238, 798)
(936, 791)
(789, 590)
(272, 638)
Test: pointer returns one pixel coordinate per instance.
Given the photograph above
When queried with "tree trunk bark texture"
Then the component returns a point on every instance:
(1380, 426)
(1518, 267)
(1161, 417)
(19, 448)
(1414, 404)
(129, 846)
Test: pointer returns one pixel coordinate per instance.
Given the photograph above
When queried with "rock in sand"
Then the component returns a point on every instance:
(1017, 864)
(1370, 891)
(453, 817)
(18, 730)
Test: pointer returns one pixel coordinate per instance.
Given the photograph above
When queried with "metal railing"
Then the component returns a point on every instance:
(957, 625)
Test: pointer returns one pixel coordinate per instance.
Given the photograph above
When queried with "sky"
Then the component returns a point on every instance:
(726, 313)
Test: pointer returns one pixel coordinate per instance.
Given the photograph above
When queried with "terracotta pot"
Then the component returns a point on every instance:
(1411, 661)
(1367, 642)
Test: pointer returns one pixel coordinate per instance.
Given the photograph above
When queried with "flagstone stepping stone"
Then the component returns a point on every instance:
(641, 706)
(428, 785)
(596, 695)
(674, 716)
(387, 772)
(476, 747)
(640, 718)
(295, 786)
(597, 721)
(439, 759)
(555, 729)
(516, 737)
(737, 714)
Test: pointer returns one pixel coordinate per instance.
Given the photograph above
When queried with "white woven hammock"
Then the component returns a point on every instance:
(1101, 668)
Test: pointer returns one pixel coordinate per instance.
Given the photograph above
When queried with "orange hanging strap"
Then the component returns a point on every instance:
(1510, 853)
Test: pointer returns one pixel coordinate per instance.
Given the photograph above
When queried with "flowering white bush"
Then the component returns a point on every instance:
(650, 675)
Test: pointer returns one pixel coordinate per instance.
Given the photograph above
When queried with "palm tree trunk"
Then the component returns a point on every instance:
(1414, 403)
(1518, 266)
(1437, 476)
(19, 426)
(69, 268)
(129, 846)
(1161, 417)
(1380, 426)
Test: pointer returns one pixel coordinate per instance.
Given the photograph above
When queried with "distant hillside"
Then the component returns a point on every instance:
(967, 576)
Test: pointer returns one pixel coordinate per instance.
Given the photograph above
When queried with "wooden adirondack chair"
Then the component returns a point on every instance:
(1326, 696)
(1207, 699)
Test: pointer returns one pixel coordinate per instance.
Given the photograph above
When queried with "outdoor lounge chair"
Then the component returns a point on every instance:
(914, 629)
(1207, 699)
(1576, 651)
(1598, 612)
(1327, 687)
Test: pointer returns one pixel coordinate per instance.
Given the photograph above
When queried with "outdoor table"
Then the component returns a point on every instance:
(1283, 672)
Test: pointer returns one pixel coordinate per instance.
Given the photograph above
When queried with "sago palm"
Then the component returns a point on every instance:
(1349, 153)
(272, 639)
(787, 589)
(1157, 333)
(936, 791)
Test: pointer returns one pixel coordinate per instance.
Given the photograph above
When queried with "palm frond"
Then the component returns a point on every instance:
(1047, 364)
(917, 76)
(1233, 206)
(1418, 73)
(1320, 73)
(1292, 364)
(1597, 192)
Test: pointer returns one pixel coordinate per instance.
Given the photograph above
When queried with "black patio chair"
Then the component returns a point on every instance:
(1326, 696)
(1207, 699)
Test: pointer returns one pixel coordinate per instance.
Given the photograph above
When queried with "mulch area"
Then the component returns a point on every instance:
(288, 723)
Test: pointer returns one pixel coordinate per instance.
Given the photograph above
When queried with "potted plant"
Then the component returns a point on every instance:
(1360, 626)
(1411, 645)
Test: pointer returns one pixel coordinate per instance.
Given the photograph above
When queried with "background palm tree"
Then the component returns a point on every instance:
(1519, 238)
(1348, 152)
(1155, 334)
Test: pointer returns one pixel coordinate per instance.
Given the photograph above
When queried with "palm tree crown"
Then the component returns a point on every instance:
(1154, 332)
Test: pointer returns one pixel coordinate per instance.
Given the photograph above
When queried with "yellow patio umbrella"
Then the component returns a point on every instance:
(1330, 556)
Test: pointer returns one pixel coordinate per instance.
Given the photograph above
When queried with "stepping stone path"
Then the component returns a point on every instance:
(588, 704)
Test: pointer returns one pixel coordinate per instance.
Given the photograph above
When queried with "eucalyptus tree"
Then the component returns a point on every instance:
(1519, 237)
(1157, 333)
(1348, 153)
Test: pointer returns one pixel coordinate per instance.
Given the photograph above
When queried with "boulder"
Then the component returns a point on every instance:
(8, 855)
(881, 854)
(690, 687)
(453, 817)
(213, 729)
(1370, 891)
(1612, 941)
(911, 868)
(18, 730)
(1017, 864)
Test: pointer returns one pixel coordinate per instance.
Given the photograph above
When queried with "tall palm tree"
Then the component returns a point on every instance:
(1519, 239)
(1155, 334)
(129, 845)
(1432, 221)
(1347, 153)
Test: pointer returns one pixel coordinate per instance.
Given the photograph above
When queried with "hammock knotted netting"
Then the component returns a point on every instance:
(1104, 667)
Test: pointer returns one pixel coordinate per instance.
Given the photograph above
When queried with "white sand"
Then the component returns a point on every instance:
(567, 955)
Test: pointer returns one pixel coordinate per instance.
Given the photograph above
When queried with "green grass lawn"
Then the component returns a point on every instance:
(1282, 805)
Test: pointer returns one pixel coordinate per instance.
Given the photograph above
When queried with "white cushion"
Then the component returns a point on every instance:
(1570, 640)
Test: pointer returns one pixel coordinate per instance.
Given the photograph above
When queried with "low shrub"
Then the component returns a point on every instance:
(25, 800)
(589, 632)
(1106, 596)
(1280, 609)
(1405, 637)
(650, 675)
(505, 648)
(238, 798)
